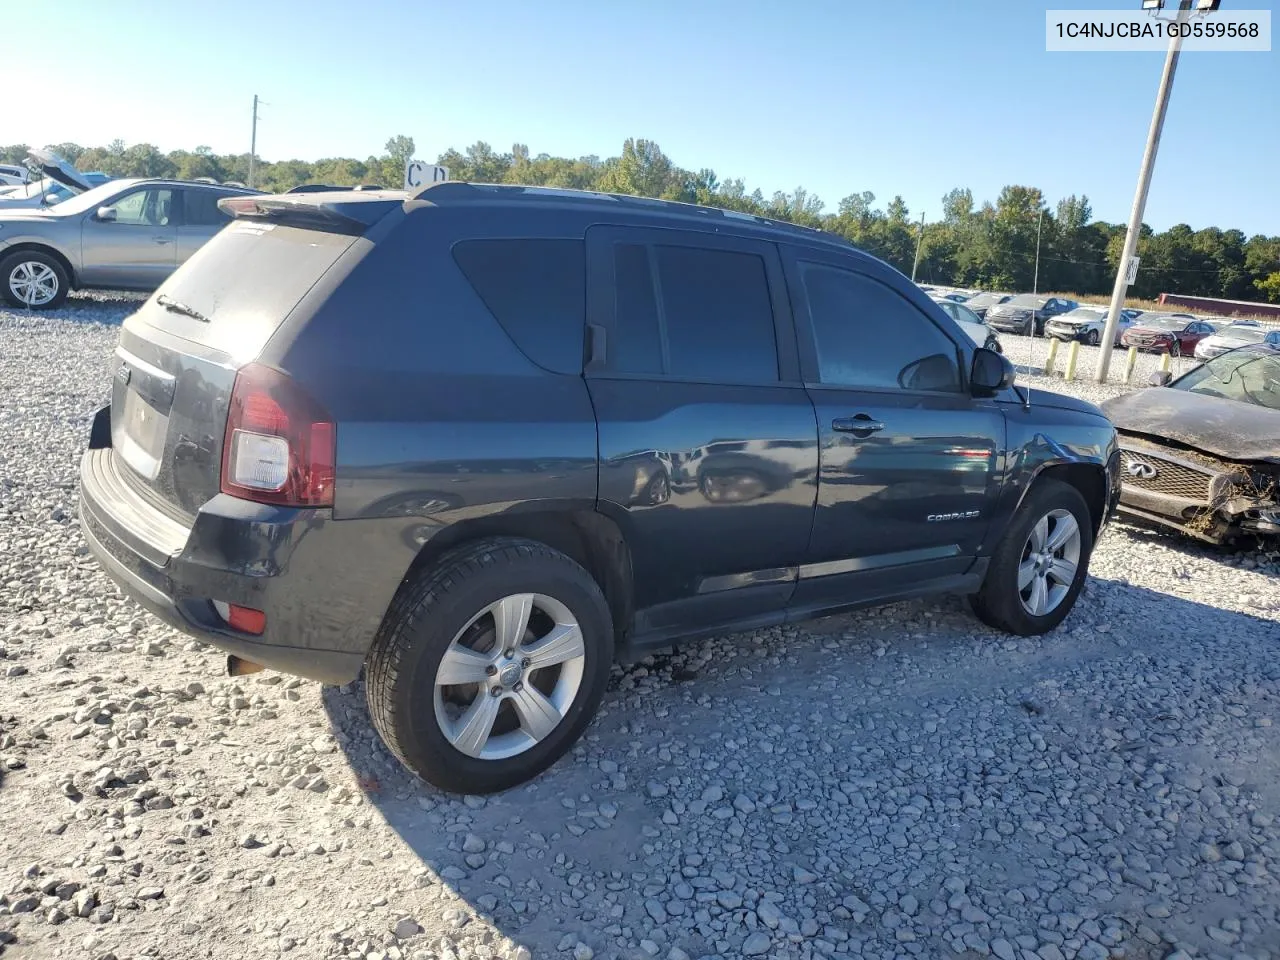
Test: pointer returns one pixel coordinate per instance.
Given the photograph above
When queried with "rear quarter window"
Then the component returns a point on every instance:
(536, 289)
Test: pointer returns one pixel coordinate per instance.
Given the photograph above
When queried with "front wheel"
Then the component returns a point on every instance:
(1039, 567)
(34, 279)
(490, 666)
(1094, 338)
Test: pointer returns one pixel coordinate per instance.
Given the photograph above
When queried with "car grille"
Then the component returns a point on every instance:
(1172, 479)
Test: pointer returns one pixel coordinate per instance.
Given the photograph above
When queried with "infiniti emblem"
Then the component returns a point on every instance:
(1142, 470)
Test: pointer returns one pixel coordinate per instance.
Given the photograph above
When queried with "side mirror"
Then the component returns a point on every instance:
(991, 373)
(1161, 378)
(105, 213)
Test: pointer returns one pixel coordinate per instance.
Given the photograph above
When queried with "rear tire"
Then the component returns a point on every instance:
(1007, 598)
(456, 608)
(35, 280)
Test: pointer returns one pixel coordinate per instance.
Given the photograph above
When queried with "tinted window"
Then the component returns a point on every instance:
(715, 320)
(719, 320)
(537, 290)
(637, 341)
(200, 209)
(868, 336)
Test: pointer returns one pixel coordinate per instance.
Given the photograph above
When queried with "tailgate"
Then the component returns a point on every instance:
(176, 362)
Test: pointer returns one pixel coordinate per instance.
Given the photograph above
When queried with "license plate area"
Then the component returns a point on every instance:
(142, 396)
(144, 430)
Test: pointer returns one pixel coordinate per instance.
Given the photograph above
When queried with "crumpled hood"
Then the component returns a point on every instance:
(1223, 428)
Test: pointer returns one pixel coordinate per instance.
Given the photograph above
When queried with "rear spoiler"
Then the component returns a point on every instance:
(346, 212)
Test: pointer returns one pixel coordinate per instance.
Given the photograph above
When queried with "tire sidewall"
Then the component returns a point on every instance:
(1000, 588)
(419, 732)
(7, 266)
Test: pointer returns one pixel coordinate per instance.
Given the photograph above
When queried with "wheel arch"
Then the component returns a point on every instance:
(589, 538)
(1089, 478)
(34, 246)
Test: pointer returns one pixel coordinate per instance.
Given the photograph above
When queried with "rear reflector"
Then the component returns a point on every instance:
(279, 445)
(244, 619)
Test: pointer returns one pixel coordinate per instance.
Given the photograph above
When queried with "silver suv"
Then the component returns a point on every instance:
(126, 235)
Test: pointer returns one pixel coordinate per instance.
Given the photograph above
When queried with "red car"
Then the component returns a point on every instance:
(1167, 333)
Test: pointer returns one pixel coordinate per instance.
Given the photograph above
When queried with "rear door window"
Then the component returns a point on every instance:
(536, 289)
(693, 313)
(200, 209)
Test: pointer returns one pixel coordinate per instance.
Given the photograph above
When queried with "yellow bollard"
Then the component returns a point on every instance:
(1073, 354)
(1129, 365)
(1165, 360)
(1051, 357)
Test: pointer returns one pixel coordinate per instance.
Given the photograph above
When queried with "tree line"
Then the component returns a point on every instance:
(988, 245)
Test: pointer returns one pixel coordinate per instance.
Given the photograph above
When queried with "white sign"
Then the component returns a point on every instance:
(1131, 274)
(418, 174)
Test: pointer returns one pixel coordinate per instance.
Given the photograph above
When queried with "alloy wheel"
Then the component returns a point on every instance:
(33, 283)
(509, 676)
(1050, 559)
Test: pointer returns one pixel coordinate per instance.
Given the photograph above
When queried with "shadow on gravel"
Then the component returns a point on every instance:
(881, 753)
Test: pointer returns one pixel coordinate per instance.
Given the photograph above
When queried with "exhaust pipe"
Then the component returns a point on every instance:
(239, 667)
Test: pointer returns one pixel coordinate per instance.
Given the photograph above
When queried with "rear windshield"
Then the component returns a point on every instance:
(245, 281)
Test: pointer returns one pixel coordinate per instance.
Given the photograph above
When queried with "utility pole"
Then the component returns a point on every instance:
(919, 244)
(253, 140)
(1140, 195)
(1035, 284)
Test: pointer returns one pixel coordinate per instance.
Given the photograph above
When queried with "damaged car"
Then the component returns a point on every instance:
(1201, 453)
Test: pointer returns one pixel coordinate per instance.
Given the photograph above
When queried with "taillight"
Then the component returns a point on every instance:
(280, 445)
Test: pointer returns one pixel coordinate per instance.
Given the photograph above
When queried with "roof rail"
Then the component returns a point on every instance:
(457, 191)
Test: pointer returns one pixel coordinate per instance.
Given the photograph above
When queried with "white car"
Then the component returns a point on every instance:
(969, 322)
(1236, 335)
(59, 180)
(12, 175)
(1088, 324)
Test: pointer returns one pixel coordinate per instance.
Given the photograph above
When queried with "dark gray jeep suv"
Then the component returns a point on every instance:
(483, 440)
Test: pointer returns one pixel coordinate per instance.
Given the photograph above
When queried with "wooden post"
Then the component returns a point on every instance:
(1073, 354)
(1129, 364)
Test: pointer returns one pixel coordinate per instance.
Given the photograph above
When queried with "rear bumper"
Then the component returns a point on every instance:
(304, 570)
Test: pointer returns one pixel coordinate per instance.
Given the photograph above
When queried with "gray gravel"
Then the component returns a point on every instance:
(900, 782)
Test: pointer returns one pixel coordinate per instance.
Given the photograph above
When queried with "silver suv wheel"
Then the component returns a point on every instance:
(33, 283)
(1050, 558)
(509, 676)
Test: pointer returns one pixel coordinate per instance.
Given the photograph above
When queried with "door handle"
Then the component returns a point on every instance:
(861, 425)
(161, 240)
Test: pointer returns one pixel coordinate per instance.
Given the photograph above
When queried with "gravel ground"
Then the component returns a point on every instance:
(896, 783)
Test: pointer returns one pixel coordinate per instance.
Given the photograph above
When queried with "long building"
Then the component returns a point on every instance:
(1222, 308)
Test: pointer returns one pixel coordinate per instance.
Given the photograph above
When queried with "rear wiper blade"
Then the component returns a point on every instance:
(177, 306)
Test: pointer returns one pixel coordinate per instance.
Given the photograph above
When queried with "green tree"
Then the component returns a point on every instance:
(399, 151)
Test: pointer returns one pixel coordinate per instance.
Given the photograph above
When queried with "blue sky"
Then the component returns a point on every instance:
(908, 97)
